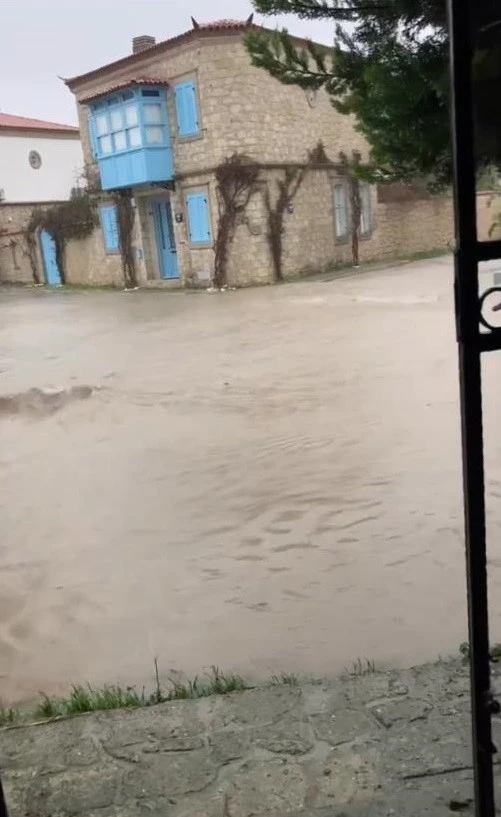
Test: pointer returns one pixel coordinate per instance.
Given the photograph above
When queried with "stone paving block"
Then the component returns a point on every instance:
(49, 747)
(289, 737)
(346, 776)
(364, 689)
(431, 747)
(229, 744)
(168, 727)
(256, 706)
(389, 712)
(170, 774)
(269, 788)
(74, 792)
(343, 726)
(320, 698)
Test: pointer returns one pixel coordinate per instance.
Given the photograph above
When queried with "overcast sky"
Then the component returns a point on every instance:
(43, 39)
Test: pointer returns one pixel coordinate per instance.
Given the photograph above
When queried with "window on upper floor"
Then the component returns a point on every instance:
(128, 121)
(187, 109)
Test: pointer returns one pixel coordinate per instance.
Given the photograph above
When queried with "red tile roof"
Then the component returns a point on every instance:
(12, 122)
(217, 25)
(125, 84)
(198, 30)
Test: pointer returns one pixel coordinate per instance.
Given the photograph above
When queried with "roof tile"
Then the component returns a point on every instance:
(121, 85)
(8, 120)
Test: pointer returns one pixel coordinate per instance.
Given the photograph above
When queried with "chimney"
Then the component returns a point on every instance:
(142, 42)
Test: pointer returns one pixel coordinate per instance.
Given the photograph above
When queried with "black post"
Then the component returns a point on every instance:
(3, 807)
(468, 335)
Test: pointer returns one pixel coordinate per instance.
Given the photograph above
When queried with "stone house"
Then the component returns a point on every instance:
(160, 121)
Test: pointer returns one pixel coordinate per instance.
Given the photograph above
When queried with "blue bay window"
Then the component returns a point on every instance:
(130, 137)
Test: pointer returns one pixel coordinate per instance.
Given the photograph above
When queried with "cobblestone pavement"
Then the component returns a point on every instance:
(393, 743)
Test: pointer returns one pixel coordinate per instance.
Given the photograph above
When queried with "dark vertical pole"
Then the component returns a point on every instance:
(467, 322)
(3, 807)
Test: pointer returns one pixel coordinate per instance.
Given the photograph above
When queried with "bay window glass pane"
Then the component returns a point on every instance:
(105, 144)
(116, 119)
(134, 137)
(131, 117)
(120, 141)
(101, 124)
(152, 114)
(154, 134)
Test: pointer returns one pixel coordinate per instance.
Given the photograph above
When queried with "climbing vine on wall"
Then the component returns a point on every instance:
(351, 168)
(237, 179)
(125, 219)
(72, 219)
(287, 189)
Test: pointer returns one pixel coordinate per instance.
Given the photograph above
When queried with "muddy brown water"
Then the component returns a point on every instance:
(265, 480)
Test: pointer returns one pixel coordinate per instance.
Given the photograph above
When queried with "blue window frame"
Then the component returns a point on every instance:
(109, 224)
(187, 113)
(197, 208)
(130, 120)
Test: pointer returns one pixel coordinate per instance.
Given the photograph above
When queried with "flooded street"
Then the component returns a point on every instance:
(264, 480)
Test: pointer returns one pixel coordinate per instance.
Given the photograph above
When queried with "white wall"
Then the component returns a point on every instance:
(62, 163)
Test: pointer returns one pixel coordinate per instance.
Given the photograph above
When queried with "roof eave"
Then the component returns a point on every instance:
(131, 59)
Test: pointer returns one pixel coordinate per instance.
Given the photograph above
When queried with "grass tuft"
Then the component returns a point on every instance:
(362, 667)
(285, 679)
(9, 715)
(86, 698)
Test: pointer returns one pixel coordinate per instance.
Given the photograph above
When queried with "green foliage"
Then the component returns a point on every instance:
(389, 68)
(9, 715)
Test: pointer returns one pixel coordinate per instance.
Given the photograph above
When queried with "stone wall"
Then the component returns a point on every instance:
(15, 264)
(86, 261)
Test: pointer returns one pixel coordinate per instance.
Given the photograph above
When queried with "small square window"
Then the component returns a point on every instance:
(127, 95)
(150, 92)
(134, 137)
(114, 100)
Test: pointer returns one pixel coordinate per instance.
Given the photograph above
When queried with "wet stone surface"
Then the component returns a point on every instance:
(394, 743)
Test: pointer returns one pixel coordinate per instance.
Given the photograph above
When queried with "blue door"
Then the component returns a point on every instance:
(166, 244)
(52, 272)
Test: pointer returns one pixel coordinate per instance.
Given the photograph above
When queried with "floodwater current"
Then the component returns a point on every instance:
(265, 480)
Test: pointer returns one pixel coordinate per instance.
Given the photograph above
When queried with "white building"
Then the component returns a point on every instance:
(39, 161)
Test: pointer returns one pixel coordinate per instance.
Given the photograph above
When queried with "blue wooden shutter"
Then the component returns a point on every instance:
(185, 95)
(198, 218)
(110, 228)
(92, 135)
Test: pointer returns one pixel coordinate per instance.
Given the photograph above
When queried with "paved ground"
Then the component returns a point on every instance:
(393, 743)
